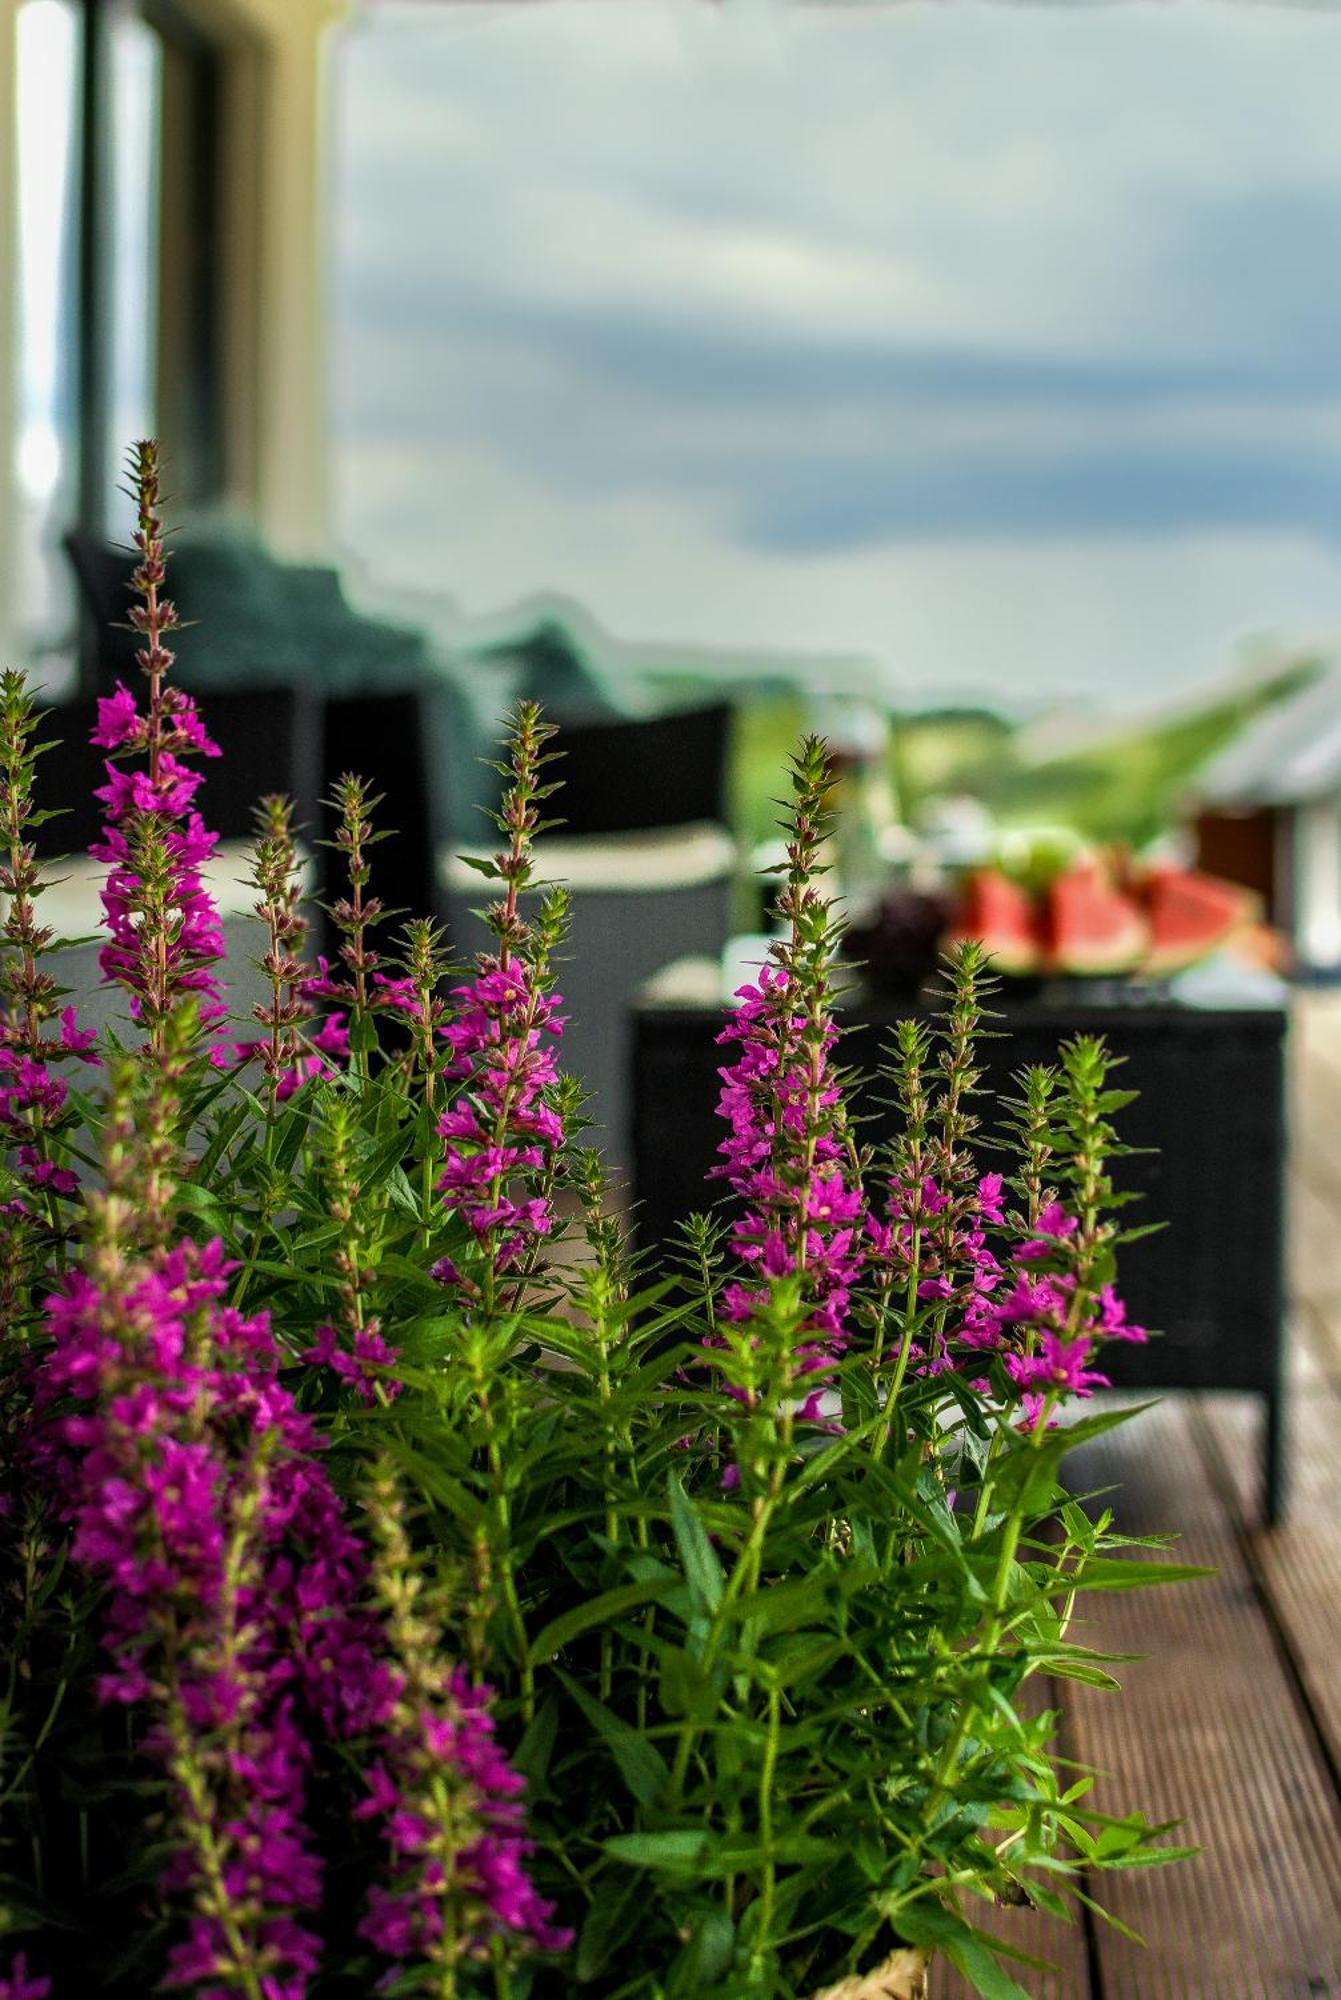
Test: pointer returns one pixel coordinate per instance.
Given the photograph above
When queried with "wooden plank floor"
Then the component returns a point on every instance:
(1231, 1720)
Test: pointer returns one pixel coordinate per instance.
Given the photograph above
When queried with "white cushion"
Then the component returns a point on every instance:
(72, 906)
(674, 857)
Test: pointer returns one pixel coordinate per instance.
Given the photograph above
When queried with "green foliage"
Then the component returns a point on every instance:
(1126, 785)
(954, 750)
(769, 1682)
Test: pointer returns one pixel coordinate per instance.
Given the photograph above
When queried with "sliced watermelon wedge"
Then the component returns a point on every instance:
(1190, 916)
(1093, 928)
(999, 914)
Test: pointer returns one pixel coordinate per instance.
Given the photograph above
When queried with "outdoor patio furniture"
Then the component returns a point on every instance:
(269, 738)
(344, 723)
(1209, 1125)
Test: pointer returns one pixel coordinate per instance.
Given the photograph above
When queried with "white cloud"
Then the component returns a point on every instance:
(616, 282)
(1118, 620)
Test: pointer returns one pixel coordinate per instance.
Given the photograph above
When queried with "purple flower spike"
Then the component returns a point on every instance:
(802, 1221)
(20, 1984)
(165, 940)
(195, 1491)
(448, 1801)
(500, 1127)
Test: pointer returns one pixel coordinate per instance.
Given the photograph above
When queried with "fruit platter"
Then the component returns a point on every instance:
(1048, 916)
(1102, 917)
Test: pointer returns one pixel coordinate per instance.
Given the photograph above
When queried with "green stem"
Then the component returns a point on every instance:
(1010, 1542)
(744, 1573)
(885, 1431)
(768, 1886)
(209, 1859)
(503, 1565)
(611, 1512)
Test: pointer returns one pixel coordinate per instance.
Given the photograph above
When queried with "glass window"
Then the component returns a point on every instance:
(48, 74)
(50, 55)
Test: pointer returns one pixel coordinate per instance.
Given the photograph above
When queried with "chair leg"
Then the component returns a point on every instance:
(1274, 1494)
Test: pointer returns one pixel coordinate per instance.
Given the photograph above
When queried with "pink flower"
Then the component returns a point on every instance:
(119, 721)
(498, 1128)
(1057, 1365)
(181, 1439)
(19, 1984)
(1113, 1321)
(369, 1363)
(784, 1162)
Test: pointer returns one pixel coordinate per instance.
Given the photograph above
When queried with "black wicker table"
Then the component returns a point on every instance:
(1208, 1059)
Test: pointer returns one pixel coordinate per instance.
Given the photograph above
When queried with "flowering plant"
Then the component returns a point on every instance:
(410, 1589)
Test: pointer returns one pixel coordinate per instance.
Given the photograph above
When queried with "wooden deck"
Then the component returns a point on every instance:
(1231, 1720)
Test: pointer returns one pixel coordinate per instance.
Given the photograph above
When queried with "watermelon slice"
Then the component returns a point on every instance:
(1191, 915)
(1000, 915)
(1093, 928)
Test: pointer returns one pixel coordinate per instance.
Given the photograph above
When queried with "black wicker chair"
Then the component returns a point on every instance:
(379, 736)
(268, 737)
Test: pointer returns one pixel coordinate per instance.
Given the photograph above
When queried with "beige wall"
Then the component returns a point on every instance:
(274, 300)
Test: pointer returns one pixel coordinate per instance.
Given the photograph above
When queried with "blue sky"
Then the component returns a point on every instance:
(1000, 344)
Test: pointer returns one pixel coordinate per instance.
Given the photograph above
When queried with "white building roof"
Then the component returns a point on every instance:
(1289, 755)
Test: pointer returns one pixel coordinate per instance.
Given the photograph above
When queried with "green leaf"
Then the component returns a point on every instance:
(706, 1957)
(611, 1919)
(1099, 1423)
(227, 1128)
(203, 1200)
(435, 1483)
(679, 1849)
(605, 1609)
(784, 1607)
(1123, 1573)
(394, 1265)
(1088, 1676)
(532, 1755)
(689, 1851)
(684, 1688)
(703, 1571)
(967, 1950)
(641, 1764)
(309, 1276)
(1152, 1857)
(1107, 1917)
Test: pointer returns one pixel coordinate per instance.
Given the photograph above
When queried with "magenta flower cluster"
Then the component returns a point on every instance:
(945, 1244)
(498, 1128)
(786, 1162)
(1023, 1305)
(364, 1365)
(196, 1494)
(327, 1046)
(33, 1096)
(169, 942)
(20, 1984)
(450, 1805)
(247, 1628)
(36, 1033)
(238, 1616)
(983, 1288)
